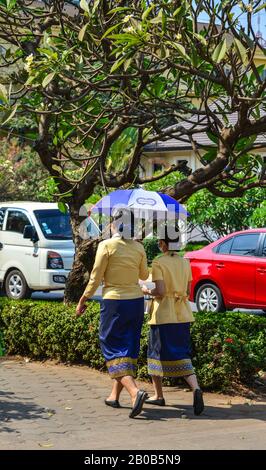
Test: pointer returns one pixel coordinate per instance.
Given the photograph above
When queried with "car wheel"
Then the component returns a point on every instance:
(209, 299)
(16, 286)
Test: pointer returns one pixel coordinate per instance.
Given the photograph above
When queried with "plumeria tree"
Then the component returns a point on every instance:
(101, 79)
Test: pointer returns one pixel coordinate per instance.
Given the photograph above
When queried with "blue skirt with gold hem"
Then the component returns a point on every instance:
(169, 350)
(120, 330)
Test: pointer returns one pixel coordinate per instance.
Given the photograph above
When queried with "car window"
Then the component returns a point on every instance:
(54, 224)
(16, 221)
(264, 247)
(2, 216)
(245, 245)
(225, 247)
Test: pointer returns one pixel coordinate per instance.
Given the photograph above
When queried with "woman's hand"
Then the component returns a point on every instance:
(81, 307)
(145, 290)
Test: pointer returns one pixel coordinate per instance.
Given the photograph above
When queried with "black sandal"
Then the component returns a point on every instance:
(198, 403)
(139, 402)
(158, 401)
(112, 403)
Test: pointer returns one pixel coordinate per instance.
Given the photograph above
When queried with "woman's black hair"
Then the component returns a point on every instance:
(170, 242)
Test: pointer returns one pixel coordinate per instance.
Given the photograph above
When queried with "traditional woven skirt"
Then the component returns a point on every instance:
(169, 350)
(120, 330)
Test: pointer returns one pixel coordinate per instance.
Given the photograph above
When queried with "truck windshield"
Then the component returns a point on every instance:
(54, 224)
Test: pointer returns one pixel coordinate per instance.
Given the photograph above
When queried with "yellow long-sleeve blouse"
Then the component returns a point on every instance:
(120, 264)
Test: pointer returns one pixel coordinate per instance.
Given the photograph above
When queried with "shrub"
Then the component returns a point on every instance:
(218, 216)
(151, 248)
(2, 347)
(226, 348)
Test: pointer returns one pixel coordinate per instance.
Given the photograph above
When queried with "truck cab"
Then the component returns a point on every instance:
(36, 247)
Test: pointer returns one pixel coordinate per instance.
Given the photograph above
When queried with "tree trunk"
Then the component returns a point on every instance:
(80, 273)
(85, 251)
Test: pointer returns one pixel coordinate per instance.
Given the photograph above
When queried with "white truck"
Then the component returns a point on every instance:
(36, 247)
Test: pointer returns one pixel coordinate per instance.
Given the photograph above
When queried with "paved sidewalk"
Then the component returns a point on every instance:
(50, 406)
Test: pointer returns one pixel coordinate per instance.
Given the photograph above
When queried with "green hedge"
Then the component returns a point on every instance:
(152, 250)
(2, 346)
(229, 347)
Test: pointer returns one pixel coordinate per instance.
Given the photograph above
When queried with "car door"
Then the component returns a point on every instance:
(234, 267)
(2, 239)
(261, 274)
(18, 252)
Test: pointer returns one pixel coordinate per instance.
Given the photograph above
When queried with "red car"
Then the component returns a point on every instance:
(230, 272)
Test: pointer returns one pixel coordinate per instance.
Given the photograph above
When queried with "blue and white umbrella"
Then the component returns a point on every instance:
(139, 199)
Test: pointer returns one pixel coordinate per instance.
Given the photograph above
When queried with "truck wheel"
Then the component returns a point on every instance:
(16, 286)
(209, 299)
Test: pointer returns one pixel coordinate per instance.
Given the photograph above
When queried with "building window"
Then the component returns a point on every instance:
(157, 167)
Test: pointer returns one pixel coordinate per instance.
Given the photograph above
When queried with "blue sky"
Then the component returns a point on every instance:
(261, 15)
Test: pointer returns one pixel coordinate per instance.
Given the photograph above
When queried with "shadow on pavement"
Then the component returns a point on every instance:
(235, 412)
(11, 411)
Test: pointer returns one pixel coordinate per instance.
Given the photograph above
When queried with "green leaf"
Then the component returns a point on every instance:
(200, 38)
(95, 5)
(48, 79)
(127, 63)
(158, 18)
(116, 10)
(62, 207)
(48, 53)
(125, 37)
(260, 69)
(147, 12)
(117, 64)
(57, 168)
(3, 93)
(82, 32)
(248, 40)
(84, 5)
(219, 52)
(245, 142)
(241, 51)
(210, 155)
(212, 137)
(11, 115)
(30, 80)
(178, 11)
(159, 86)
(10, 4)
(260, 8)
(109, 30)
(180, 49)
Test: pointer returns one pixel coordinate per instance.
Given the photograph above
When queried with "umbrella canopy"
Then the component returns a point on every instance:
(139, 199)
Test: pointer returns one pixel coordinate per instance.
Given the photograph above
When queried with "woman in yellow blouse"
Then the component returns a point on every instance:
(171, 315)
(120, 262)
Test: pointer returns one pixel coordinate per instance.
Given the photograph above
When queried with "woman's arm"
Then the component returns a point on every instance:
(158, 291)
(143, 269)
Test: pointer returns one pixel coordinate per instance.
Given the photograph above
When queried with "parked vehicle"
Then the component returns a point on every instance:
(36, 247)
(230, 272)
